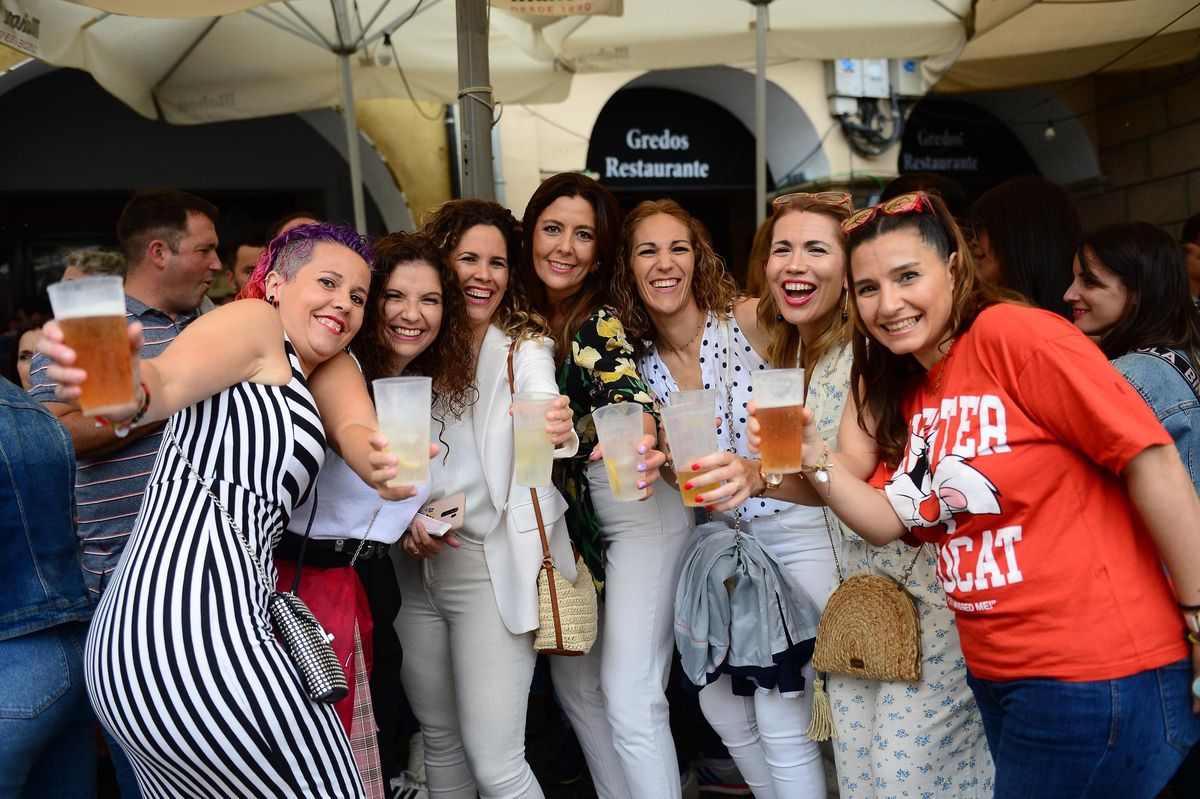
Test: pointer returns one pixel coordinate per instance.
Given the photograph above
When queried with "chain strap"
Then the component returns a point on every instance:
(170, 431)
(838, 565)
(728, 415)
(362, 542)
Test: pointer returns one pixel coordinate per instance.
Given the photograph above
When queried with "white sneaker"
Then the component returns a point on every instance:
(416, 757)
(406, 787)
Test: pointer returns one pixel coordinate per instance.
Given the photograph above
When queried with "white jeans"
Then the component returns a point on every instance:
(766, 733)
(466, 676)
(615, 696)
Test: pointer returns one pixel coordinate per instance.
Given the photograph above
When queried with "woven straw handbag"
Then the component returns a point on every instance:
(870, 628)
(567, 612)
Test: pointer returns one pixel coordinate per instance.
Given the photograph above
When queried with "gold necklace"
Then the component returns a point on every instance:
(699, 330)
(937, 385)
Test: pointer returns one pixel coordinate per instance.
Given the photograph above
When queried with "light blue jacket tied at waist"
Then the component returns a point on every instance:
(748, 630)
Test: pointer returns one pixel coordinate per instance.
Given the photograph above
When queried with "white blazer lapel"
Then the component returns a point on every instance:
(493, 426)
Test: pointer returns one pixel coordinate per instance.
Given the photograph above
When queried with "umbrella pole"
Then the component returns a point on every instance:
(760, 112)
(474, 100)
(353, 156)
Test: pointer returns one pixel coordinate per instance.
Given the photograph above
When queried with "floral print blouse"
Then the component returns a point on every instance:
(600, 371)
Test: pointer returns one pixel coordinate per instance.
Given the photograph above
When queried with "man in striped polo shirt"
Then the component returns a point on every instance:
(170, 243)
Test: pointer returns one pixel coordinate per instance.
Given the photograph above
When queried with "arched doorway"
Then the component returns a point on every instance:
(962, 141)
(713, 107)
(650, 143)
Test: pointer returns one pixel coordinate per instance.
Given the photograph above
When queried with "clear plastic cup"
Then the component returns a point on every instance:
(533, 452)
(779, 396)
(402, 405)
(619, 427)
(692, 434)
(91, 313)
(700, 396)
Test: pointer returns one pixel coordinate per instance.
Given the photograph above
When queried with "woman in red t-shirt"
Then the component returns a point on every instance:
(999, 433)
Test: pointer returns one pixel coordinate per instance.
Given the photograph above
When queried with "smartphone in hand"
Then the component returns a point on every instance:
(450, 511)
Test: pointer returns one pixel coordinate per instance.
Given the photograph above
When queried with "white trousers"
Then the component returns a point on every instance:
(615, 696)
(466, 676)
(766, 733)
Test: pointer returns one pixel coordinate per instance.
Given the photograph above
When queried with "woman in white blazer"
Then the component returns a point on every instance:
(470, 599)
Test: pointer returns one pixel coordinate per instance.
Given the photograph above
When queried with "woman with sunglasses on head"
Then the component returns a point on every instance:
(182, 665)
(470, 598)
(415, 323)
(933, 728)
(614, 696)
(999, 433)
(704, 335)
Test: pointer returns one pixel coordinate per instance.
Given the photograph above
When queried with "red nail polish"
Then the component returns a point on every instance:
(695, 467)
(688, 486)
(699, 499)
(710, 507)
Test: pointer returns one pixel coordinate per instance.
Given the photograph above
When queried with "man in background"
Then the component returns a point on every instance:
(241, 256)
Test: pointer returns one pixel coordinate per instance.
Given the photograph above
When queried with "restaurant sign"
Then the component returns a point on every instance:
(666, 138)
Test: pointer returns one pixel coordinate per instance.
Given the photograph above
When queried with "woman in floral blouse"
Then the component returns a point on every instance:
(615, 695)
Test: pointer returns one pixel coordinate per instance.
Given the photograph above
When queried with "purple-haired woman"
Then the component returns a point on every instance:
(181, 663)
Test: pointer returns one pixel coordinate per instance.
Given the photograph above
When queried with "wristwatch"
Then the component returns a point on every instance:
(770, 481)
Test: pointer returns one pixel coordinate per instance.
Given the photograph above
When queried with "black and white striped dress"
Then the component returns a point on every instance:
(182, 665)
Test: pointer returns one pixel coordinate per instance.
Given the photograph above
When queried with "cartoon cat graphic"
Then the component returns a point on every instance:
(924, 497)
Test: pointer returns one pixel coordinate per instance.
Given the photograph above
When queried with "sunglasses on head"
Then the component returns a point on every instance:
(913, 202)
(839, 199)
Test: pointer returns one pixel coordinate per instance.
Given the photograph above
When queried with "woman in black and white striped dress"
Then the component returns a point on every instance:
(182, 665)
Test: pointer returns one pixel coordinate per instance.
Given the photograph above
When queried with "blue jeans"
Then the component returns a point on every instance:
(122, 768)
(47, 728)
(1053, 739)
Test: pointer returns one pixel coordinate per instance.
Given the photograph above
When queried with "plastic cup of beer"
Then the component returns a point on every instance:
(91, 313)
(779, 395)
(692, 435)
(620, 429)
(402, 406)
(533, 451)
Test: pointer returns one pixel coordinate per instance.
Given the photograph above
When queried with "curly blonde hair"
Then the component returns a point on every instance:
(713, 288)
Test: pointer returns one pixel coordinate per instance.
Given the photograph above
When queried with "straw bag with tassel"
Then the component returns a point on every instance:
(869, 629)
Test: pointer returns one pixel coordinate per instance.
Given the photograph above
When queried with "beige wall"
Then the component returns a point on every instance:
(413, 145)
(9, 58)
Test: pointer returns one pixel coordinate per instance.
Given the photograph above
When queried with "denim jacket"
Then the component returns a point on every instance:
(39, 565)
(1172, 400)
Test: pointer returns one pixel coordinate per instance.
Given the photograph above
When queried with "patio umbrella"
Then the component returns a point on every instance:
(232, 59)
(197, 61)
(1023, 43)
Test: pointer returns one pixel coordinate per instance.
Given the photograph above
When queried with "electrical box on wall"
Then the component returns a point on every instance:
(843, 85)
(868, 97)
(875, 78)
(906, 78)
(849, 79)
(844, 77)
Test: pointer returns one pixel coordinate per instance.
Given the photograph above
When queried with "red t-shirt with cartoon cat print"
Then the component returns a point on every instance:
(1012, 470)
